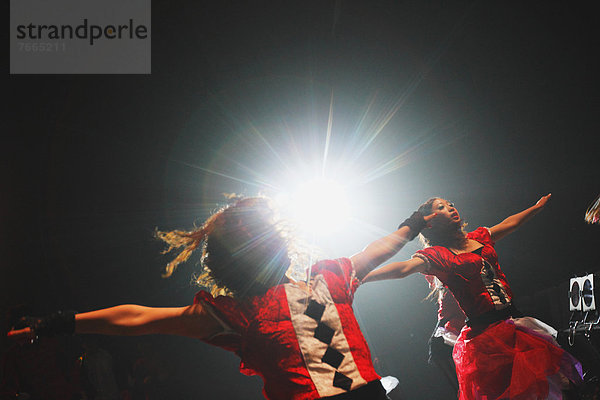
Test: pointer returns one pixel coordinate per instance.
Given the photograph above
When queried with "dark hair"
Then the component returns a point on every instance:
(244, 248)
(427, 207)
(432, 237)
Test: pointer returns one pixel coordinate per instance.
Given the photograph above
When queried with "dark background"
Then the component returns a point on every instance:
(490, 104)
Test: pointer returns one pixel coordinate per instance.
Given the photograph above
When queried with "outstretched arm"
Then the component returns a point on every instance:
(192, 321)
(510, 224)
(385, 248)
(128, 320)
(397, 270)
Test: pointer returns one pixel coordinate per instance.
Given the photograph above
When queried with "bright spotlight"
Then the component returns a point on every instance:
(319, 207)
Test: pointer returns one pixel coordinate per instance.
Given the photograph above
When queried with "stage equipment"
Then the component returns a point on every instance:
(582, 337)
(585, 318)
(575, 285)
(583, 293)
(588, 294)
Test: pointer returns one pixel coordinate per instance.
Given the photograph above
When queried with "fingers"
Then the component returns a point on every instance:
(545, 198)
(429, 217)
(541, 203)
(18, 334)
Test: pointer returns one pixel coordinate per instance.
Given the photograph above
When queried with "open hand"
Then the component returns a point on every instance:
(541, 203)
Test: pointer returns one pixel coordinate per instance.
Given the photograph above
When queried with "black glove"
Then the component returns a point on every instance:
(416, 222)
(58, 323)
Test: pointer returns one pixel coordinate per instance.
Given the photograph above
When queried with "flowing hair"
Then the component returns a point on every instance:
(592, 215)
(436, 289)
(244, 246)
(189, 240)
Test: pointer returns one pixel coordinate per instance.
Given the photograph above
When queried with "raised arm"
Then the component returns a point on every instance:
(397, 270)
(381, 250)
(129, 320)
(510, 224)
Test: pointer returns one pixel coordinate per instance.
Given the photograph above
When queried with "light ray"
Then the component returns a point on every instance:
(213, 172)
(412, 85)
(257, 133)
(328, 135)
(424, 145)
(259, 179)
(248, 125)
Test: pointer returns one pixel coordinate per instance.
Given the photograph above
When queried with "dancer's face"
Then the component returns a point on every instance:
(447, 214)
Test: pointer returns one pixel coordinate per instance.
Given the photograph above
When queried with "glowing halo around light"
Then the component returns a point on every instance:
(317, 207)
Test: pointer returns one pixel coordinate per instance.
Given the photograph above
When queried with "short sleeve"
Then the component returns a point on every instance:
(230, 315)
(482, 235)
(435, 258)
(340, 277)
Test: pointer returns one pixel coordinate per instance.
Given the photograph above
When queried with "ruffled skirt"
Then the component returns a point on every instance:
(513, 359)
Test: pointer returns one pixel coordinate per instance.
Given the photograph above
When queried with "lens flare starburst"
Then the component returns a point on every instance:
(318, 206)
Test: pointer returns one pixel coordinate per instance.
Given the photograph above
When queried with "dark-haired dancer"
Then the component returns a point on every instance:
(299, 335)
(499, 354)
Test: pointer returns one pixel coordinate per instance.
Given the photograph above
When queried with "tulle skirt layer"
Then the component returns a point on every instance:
(513, 359)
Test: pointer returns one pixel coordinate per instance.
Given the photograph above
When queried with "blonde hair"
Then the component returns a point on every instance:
(436, 290)
(189, 240)
(592, 215)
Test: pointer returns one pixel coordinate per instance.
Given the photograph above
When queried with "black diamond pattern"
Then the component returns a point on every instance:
(333, 357)
(342, 381)
(324, 333)
(315, 310)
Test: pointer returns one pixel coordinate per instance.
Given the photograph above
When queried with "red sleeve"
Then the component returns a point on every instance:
(437, 257)
(340, 277)
(482, 235)
(229, 312)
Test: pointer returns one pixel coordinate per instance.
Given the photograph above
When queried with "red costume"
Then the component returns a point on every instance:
(304, 344)
(497, 358)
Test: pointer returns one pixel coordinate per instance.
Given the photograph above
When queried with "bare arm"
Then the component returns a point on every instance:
(381, 250)
(397, 270)
(510, 224)
(129, 320)
(192, 321)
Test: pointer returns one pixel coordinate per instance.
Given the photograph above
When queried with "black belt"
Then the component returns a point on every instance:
(490, 317)
(371, 391)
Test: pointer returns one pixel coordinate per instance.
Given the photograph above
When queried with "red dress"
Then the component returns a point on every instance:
(514, 358)
(303, 345)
